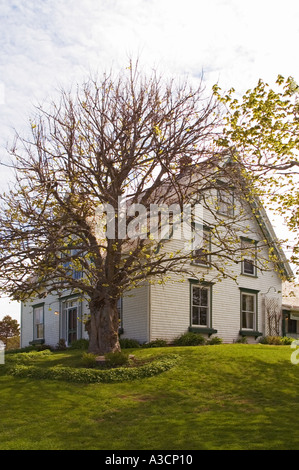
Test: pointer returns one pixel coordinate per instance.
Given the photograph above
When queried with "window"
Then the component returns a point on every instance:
(70, 317)
(72, 263)
(201, 244)
(292, 326)
(120, 312)
(248, 310)
(248, 267)
(200, 306)
(38, 322)
(225, 201)
(201, 255)
(249, 254)
(77, 274)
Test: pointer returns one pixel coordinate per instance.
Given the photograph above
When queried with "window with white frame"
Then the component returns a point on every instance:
(71, 320)
(249, 255)
(38, 322)
(248, 310)
(225, 201)
(201, 254)
(200, 305)
(71, 261)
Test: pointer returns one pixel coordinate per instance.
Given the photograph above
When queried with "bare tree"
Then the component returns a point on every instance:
(128, 136)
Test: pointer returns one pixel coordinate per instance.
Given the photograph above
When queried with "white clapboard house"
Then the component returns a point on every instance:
(231, 309)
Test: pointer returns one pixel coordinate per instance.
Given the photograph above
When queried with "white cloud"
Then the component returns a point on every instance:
(48, 44)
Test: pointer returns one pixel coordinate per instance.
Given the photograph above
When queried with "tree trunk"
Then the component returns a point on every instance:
(103, 330)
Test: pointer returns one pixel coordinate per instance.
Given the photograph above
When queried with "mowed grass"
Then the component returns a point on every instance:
(232, 397)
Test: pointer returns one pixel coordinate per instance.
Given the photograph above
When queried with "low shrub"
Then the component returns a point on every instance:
(24, 357)
(214, 340)
(20, 350)
(61, 345)
(189, 339)
(157, 343)
(241, 340)
(276, 340)
(41, 347)
(116, 359)
(89, 360)
(80, 344)
(82, 375)
(286, 341)
(126, 343)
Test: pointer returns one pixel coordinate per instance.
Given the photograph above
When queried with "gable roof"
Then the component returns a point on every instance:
(265, 225)
(218, 166)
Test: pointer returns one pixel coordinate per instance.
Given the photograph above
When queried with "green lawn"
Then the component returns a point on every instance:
(217, 397)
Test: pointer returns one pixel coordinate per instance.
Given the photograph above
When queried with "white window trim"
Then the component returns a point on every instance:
(208, 288)
(251, 244)
(226, 204)
(35, 324)
(206, 244)
(254, 295)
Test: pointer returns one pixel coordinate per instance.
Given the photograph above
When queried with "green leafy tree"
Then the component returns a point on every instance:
(9, 328)
(262, 128)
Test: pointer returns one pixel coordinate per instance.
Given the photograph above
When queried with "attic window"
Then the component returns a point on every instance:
(248, 267)
(249, 255)
(225, 201)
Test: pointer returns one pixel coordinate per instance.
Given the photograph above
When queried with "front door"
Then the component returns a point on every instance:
(72, 325)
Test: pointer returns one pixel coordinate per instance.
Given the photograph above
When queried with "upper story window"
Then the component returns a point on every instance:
(201, 255)
(71, 259)
(249, 256)
(225, 201)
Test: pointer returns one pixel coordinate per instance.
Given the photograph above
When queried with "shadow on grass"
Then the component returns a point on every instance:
(217, 398)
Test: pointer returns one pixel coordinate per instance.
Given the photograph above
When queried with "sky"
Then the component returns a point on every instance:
(46, 45)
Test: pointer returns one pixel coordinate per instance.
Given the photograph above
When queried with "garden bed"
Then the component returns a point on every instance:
(95, 375)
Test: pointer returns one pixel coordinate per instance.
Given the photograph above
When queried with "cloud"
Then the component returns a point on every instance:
(48, 44)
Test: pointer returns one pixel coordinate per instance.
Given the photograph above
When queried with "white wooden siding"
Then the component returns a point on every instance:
(136, 314)
(163, 311)
(51, 321)
(170, 303)
(52, 326)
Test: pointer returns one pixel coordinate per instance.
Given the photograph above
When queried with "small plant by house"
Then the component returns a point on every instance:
(80, 344)
(189, 339)
(276, 340)
(89, 360)
(117, 359)
(127, 343)
(214, 340)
